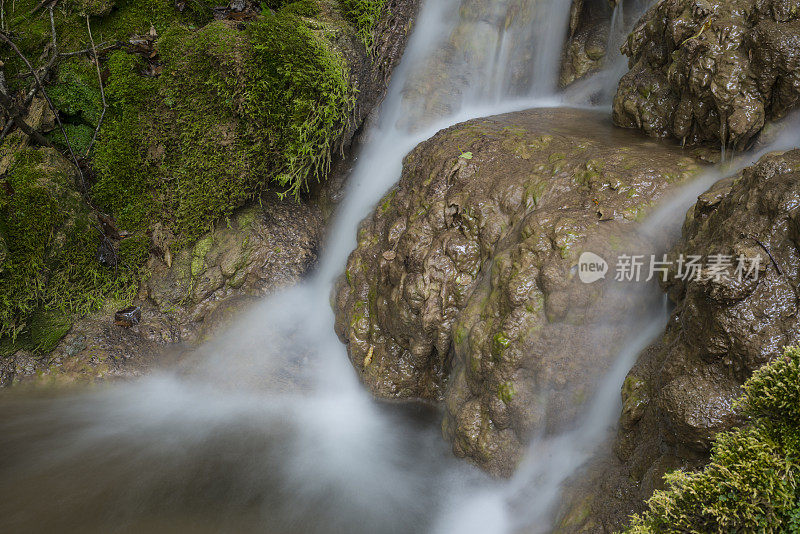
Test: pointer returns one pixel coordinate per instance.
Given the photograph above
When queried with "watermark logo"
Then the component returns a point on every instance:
(591, 268)
(637, 268)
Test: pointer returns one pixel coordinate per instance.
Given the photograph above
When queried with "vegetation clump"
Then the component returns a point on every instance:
(364, 14)
(50, 268)
(752, 483)
(202, 117)
(239, 109)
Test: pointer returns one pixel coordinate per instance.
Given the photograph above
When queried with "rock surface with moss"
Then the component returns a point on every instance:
(463, 287)
(752, 482)
(208, 122)
(711, 71)
(681, 393)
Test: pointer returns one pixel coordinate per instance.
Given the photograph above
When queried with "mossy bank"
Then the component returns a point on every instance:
(191, 114)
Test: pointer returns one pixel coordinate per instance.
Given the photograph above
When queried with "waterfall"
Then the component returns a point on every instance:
(489, 53)
(270, 430)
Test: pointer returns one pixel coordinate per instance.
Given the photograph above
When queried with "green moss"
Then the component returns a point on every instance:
(386, 202)
(47, 327)
(364, 14)
(533, 192)
(752, 483)
(241, 108)
(129, 17)
(499, 343)
(302, 91)
(51, 264)
(199, 253)
(460, 335)
(127, 184)
(304, 8)
(235, 109)
(506, 392)
(91, 7)
(76, 92)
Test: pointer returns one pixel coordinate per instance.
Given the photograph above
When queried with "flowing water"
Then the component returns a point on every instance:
(270, 430)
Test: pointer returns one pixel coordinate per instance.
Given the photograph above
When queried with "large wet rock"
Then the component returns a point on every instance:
(463, 287)
(681, 391)
(259, 250)
(711, 70)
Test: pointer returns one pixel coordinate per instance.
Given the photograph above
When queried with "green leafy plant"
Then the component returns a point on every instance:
(364, 15)
(752, 483)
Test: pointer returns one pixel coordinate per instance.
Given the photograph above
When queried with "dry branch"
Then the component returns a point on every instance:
(18, 117)
(34, 86)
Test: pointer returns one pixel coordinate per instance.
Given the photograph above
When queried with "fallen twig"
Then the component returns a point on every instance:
(34, 87)
(762, 245)
(102, 47)
(102, 91)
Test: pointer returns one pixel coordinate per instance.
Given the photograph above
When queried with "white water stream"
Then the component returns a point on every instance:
(272, 432)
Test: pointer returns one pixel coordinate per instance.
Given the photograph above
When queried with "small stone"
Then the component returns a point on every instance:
(389, 255)
(128, 317)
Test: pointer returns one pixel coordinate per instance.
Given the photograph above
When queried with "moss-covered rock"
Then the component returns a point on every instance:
(463, 287)
(204, 118)
(258, 250)
(238, 109)
(752, 482)
(52, 240)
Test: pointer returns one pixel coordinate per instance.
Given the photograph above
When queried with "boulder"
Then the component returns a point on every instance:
(585, 50)
(711, 70)
(186, 259)
(463, 287)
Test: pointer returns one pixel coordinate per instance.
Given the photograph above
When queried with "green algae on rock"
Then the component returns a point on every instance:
(462, 290)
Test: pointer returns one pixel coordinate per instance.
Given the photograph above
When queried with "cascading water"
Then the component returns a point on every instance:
(491, 54)
(270, 430)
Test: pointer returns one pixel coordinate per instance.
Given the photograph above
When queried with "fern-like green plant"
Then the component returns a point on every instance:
(752, 483)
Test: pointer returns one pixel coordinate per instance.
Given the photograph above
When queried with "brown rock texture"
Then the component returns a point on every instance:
(463, 287)
(711, 70)
(585, 49)
(681, 391)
